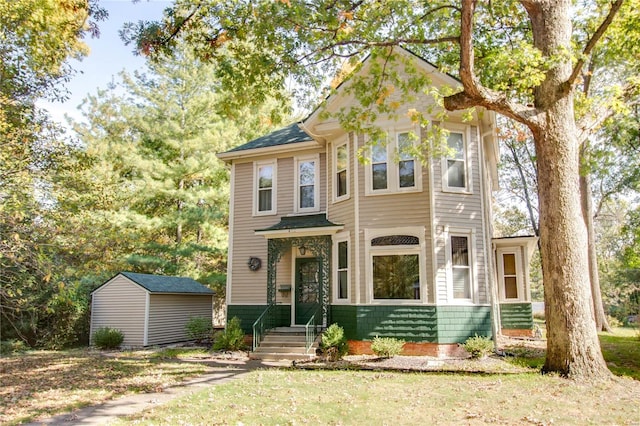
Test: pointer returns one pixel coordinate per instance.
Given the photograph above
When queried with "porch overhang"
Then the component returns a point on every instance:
(301, 226)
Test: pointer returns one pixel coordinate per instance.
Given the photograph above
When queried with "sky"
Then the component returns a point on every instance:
(108, 54)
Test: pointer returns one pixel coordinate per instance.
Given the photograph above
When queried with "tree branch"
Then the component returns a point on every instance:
(474, 94)
(615, 6)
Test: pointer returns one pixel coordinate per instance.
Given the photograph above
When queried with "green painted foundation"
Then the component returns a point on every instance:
(248, 314)
(516, 316)
(432, 324)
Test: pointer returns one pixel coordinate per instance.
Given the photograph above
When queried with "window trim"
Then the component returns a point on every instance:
(465, 131)
(341, 237)
(517, 252)
(393, 169)
(419, 249)
(274, 187)
(337, 198)
(316, 184)
(473, 283)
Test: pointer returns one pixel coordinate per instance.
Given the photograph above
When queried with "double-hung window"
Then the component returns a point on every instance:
(341, 259)
(509, 271)
(264, 188)
(454, 165)
(379, 167)
(406, 163)
(461, 267)
(307, 197)
(392, 167)
(341, 172)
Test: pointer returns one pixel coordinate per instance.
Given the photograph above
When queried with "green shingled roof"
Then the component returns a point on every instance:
(287, 135)
(164, 284)
(301, 222)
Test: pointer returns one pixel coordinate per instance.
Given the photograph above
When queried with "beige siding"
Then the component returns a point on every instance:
(460, 211)
(120, 304)
(169, 313)
(394, 210)
(250, 287)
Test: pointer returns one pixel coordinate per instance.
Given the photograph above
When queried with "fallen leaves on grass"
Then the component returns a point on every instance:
(52, 382)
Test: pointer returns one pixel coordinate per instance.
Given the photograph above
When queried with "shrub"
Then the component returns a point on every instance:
(12, 346)
(108, 338)
(386, 347)
(334, 344)
(613, 321)
(199, 328)
(478, 346)
(232, 338)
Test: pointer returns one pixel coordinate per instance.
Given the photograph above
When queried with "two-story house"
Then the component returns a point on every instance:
(327, 228)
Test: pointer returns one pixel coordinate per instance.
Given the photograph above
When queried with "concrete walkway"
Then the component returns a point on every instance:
(108, 412)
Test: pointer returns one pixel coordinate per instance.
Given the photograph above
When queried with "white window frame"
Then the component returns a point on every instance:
(316, 184)
(517, 252)
(419, 249)
(473, 284)
(274, 187)
(393, 169)
(465, 131)
(337, 198)
(342, 237)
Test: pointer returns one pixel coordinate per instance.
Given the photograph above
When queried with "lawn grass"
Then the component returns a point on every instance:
(621, 350)
(52, 382)
(45, 383)
(276, 397)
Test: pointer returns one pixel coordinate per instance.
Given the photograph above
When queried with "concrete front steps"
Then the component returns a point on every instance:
(284, 343)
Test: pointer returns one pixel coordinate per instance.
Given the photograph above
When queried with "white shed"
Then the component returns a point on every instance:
(149, 309)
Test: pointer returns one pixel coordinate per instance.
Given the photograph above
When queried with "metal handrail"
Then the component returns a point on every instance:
(311, 328)
(263, 323)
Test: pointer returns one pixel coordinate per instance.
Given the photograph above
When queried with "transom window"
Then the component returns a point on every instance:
(307, 194)
(392, 167)
(264, 188)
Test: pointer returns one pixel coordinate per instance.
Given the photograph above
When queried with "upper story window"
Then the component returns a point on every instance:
(393, 168)
(307, 177)
(454, 166)
(341, 172)
(379, 167)
(264, 188)
(406, 163)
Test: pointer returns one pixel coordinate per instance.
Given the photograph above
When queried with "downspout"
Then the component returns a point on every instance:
(489, 264)
(145, 337)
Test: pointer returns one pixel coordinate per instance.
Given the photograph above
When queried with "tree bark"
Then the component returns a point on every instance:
(594, 276)
(573, 348)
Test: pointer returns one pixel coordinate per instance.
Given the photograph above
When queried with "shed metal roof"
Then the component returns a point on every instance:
(165, 284)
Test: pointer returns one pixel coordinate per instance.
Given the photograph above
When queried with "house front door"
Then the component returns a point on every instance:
(307, 291)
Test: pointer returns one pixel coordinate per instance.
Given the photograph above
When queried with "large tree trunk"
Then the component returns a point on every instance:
(594, 276)
(573, 348)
